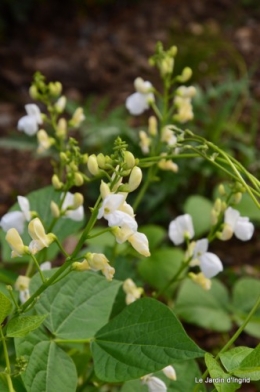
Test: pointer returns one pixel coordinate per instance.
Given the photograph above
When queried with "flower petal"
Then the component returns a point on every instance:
(210, 264)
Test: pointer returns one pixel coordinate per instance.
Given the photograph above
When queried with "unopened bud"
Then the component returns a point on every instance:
(61, 128)
(78, 179)
(129, 160)
(55, 210)
(83, 266)
(152, 126)
(60, 104)
(77, 118)
(55, 88)
(166, 66)
(101, 160)
(237, 197)
(104, 189)
(33, 92)
(135, 178)
(185, 75)
(63, 157)
(22, 282)
(173, 51)
(78, 200)
(221, 190)
(56, 182)
(93, 165)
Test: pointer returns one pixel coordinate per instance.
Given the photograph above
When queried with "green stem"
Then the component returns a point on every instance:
(39, 269)
(8, 367)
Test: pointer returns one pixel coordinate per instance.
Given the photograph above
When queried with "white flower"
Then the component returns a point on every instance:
(210, 263)
(69, 204)
(140, 243)
(169, 372)
(154, 384)
(181, 228)
(99, 262)
(16, 219)
(29, 124)
(138, 102)
(234, 223)
(132, 291)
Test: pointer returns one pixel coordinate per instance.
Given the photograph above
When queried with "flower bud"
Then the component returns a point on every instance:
(55, 209)
(185, 75)
(135, 178)
(61, 131)
(78, 200)
(77, 118)
(60, 104)
(55, 88)
(166, 66)
(173, 51)
(237, 198)
(140, 243)
(129, 160)
(141, 86)
(152, 126)
(22, 282)
(201, 280)
(33, 92)
(83, 266)
(57, 184)
(16, 243)
(78, 179)
(104, 189)
(169, 372)
(93, 165)
(101, 160)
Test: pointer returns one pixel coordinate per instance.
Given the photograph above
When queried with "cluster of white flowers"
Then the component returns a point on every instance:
(120, 216)
(181, 230)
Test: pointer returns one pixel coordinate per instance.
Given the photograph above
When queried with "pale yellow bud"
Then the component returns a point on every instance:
(169, 372)
(168, 136)
(60, 104)
(140, 86)
(44, 141)
(185, 75)
(145, 142)
(129, 160)
(173, 51)
(218, 206)
(16, 243)
(63, 157)
(152, 126)
(201, 280)
(61, 131)
(83, 266)
(40, 239)
(237, 198)
(132, 292)
(78, 200)
(78, 179)
(57, 184)
(33, 92)
(85, 158)
(22, 283)
(221, 190)
(55, 88)
(135, 178)
(101, 160)
(77, 118)
(164, 164)
(55, 209)
(97, 261)
(166, 66)
(93, 165)
(214, 217)
(140, 243)
(104, 189)
(226, 233)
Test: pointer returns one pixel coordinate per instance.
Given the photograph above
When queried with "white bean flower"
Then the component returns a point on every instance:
(180, 229)
(17, 219)
(138, 102)
(209, 263)
(236, 224)
(29, 123)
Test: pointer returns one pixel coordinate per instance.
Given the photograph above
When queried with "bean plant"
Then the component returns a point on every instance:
(96, 302)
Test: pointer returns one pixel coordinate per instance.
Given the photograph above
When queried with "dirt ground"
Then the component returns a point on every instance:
(99, 50)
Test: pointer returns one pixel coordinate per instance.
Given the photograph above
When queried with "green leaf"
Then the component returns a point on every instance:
(5, 307)
(231, 359)
(200, 209)
(160, 267)
(145, 337)
(207, 309)
(40, 201)
(49, 368)
(250, 366)
(245, 294)
(21, 326)
(78, 305)
(222, 381)
(247, 207)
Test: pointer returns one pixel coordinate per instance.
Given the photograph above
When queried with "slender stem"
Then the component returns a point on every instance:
(8, 367)
(39, 269)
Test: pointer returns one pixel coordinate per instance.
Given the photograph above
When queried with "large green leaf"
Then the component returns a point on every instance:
(40, 201)
(49, 368)
(200, 210)
(5, 307)
(207, 309)
(231, 359)
(78, 305)
(145, 337)
(245, 293)
(160, 267)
